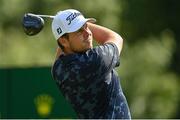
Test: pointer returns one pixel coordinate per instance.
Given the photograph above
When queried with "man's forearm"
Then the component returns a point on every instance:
(103, 35)
(58, 52)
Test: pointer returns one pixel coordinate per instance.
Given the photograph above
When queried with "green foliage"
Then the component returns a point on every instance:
(151, 87)
(106, 14)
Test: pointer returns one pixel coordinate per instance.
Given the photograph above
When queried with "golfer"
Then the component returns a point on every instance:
(86, 75)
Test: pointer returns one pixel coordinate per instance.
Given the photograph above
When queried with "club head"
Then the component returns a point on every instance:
(32, 25)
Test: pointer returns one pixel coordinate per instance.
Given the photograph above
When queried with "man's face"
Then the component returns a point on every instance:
(80, 40)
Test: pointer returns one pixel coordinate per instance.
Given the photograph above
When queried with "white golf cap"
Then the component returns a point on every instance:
(68, 21)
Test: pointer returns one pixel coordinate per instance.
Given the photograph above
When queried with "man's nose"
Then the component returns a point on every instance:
(86, 32)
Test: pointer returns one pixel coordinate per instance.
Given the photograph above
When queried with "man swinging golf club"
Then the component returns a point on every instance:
(85, 75)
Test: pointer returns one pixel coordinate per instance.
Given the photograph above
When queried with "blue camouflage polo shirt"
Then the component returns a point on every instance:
(89, 82)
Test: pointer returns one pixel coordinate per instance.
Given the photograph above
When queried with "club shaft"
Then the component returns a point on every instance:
(46, 16)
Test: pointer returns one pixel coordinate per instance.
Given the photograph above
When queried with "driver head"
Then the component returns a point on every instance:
(32, 25)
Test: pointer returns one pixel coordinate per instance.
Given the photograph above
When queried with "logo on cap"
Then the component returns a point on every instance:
(72, 16)
(59, 31)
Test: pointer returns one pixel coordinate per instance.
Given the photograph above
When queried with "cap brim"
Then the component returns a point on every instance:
(78, 25)
(91, 20)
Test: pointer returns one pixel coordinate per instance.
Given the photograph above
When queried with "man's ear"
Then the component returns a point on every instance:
(63, 41)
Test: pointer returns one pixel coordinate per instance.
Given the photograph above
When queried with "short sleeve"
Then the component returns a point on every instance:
(104, 58)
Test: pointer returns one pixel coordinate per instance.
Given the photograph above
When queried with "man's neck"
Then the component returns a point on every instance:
(68, 51)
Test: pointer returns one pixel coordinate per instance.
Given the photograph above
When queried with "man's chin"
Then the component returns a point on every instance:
(88, 48)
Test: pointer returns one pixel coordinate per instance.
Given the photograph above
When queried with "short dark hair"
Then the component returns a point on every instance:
(66, 35)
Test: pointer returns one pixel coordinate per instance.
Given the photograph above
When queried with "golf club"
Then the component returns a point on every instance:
(46, 16)
(33, 24)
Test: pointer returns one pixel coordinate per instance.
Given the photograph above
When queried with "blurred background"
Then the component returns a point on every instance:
(150, 60)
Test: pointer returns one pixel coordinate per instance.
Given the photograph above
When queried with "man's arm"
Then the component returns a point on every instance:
(104, 35)
(58, 52)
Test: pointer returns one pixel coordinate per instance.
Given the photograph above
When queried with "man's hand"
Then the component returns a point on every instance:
(58, 52)
(104, 35)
